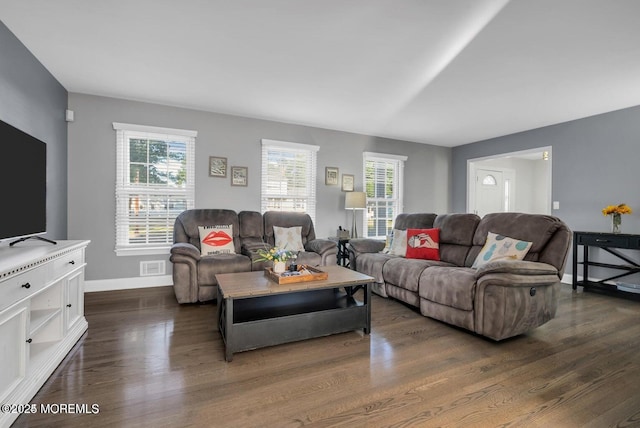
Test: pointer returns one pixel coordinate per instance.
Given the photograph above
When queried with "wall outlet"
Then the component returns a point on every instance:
(556, 205)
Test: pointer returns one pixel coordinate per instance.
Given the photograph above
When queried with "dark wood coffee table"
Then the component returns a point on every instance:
(254, 311)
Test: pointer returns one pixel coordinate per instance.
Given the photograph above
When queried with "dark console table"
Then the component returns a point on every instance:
(611, 243)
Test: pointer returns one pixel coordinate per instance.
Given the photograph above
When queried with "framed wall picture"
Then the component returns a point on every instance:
(347, 182)
(239, 176)
(331, 175)
(217, 166)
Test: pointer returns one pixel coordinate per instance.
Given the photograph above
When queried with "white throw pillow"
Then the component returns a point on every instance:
(388, 243)
(288, 238)
(500, 247)
(216, 239)
(399, 244)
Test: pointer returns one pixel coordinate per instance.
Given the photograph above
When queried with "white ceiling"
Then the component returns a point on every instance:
(444, 72)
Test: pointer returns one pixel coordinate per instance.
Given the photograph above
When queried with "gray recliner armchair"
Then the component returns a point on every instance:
(194, 275)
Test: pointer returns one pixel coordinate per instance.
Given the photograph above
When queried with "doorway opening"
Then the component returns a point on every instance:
(516, 181)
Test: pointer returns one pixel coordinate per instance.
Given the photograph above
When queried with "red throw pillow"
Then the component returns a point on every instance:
(423, 244)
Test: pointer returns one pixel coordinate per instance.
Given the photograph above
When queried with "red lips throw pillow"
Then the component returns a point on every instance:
(423, 244)
(216, 240)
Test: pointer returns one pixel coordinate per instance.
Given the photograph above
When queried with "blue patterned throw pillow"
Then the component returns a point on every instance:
(500, 247)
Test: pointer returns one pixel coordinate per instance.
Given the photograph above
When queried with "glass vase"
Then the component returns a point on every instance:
(616, 221)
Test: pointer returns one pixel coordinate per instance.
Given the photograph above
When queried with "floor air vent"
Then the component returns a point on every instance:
(152, 268)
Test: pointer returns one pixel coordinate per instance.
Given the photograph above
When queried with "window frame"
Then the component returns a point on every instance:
(269, 149)
(124, 188)
(398, 198)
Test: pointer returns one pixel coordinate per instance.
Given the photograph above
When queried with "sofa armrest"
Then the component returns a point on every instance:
(366, 245)
(185, 249)
(516, 267)
(320, 246)
(185, 258)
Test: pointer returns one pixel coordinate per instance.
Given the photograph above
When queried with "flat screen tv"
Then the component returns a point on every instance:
(23, 178)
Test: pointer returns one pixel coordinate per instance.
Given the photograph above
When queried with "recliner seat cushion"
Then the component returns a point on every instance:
(371, 264)
(405, 273)
(209, 266)
(449, 286)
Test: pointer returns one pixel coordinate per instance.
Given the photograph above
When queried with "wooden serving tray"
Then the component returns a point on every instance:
(315, 275)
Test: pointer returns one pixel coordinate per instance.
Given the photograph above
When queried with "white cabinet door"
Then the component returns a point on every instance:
(74, 305)
(13, 347)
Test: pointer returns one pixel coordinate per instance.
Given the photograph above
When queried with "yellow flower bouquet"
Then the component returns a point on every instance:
(277, 256)
(616, 211)
(274, 255)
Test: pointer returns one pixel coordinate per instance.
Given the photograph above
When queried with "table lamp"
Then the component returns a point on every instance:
(355, 201)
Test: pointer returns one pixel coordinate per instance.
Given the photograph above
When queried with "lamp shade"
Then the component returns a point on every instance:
(355, 201)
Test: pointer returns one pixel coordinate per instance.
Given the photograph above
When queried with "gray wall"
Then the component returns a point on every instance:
(595, 163)
(92, 169)
(32, 100)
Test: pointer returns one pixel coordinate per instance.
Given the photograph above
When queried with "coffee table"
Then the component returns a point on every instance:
(254, 311)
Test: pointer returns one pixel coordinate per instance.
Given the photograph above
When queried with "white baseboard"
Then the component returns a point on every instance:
(127, 283)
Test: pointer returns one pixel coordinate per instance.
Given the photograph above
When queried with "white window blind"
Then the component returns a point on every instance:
(289, 177)
(384, 181)
(155, 181)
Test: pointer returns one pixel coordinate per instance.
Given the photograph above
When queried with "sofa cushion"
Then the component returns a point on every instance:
(309, 258)
(406, 221)
(251, 226)
(535, 228)
(209, 266)
(405, 273)
(423, 244)
(449, 286)
(371, 264)
(500, 247)
(288, 238)
(456, 236)
(216, 239)
(186, 226)
(288, 219)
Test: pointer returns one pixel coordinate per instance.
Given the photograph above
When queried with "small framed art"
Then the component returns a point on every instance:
(239, 176)
(331, 176)
(217, 166)
(347, 182)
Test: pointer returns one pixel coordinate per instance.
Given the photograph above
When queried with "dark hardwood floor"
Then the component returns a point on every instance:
(147, 361)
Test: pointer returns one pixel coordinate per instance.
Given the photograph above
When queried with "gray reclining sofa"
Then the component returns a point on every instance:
(500, 299)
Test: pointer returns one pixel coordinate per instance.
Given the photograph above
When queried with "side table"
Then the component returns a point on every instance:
(342, 258)
(609, 242)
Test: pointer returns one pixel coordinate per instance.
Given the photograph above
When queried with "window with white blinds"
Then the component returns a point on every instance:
(383, 182)
(289, 177)
(155, 181)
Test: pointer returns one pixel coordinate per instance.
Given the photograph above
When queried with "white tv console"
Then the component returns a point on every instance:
(41, 315)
